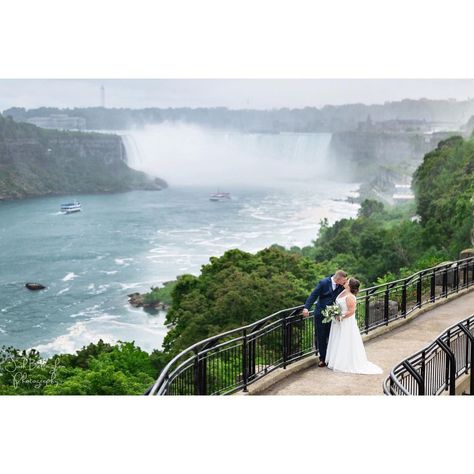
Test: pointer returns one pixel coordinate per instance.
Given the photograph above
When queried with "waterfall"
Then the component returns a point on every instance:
(190, 154)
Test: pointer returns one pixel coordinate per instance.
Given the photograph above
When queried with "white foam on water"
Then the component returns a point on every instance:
(64, 290)
(109, 272)
(186, 231)
(70, 276)
(78, 335)
(266, 218)
(97, 290)
(147, 332)
(128, 286)
(92, 310)
(248, 235)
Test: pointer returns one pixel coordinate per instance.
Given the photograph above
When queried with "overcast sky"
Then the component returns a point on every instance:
(232, 93)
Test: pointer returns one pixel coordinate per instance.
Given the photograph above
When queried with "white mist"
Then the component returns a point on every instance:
(185, 154)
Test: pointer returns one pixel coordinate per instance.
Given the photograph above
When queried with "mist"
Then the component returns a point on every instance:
(184, 154)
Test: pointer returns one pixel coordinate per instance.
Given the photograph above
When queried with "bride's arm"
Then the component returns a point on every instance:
(351, 307)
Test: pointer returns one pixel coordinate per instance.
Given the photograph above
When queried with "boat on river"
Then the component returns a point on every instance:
(70, 207)
(220, 196)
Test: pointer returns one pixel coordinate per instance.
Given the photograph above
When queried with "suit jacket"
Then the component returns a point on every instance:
(324, 294)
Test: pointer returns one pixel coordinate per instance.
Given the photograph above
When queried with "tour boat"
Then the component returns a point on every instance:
(71, 207)
(220, 196)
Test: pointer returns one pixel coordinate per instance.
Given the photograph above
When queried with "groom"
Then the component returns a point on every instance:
(326, 292)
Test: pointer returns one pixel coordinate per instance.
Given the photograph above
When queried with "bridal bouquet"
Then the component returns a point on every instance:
(330, 312)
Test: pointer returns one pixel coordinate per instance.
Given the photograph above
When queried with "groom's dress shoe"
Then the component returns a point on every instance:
(322, 364)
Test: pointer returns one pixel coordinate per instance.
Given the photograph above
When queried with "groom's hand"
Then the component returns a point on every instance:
(305, 313)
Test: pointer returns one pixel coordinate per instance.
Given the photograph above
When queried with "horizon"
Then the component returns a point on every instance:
(347, 104)
(231, 94)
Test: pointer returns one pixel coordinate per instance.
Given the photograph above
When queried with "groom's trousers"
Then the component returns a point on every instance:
(322, 335)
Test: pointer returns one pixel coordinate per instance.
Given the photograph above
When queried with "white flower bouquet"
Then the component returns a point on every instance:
(330, 312)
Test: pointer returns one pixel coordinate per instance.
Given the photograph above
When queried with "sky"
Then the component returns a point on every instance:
(231, 93)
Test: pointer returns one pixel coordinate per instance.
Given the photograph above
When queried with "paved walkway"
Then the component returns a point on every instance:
(386, 351)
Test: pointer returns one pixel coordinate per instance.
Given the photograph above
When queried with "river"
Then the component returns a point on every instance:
(121, 243)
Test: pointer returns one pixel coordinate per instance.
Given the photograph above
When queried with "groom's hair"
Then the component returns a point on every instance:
(340, 274)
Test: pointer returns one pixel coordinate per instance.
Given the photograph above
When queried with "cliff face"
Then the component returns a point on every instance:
(36, 162)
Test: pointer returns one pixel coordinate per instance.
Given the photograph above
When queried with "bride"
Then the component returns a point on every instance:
(346, 351)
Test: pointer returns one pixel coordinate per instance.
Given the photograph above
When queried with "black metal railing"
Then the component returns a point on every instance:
(435, 369)
(231, 361)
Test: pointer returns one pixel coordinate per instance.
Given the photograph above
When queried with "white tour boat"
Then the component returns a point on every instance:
(71, 207)
(220, 196)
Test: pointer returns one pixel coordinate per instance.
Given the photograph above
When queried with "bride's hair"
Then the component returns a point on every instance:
(354, 285)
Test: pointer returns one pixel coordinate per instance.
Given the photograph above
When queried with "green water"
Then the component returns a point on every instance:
(121, 243)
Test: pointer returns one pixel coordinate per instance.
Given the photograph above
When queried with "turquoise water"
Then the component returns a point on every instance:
(121, 243)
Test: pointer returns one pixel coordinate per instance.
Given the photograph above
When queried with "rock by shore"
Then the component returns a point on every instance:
(138, 301)
(34, 286)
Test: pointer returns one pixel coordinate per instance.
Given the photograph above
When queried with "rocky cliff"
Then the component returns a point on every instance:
(36, 162)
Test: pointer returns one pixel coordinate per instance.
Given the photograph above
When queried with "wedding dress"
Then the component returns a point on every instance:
(346, 352)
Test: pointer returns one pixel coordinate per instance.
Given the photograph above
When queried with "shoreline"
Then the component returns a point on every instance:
(119, 322)
(83, 193)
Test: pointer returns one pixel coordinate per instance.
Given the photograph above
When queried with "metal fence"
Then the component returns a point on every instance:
(231, 361)
(436, 368)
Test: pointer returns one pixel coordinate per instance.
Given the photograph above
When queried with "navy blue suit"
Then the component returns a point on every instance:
(326, 297)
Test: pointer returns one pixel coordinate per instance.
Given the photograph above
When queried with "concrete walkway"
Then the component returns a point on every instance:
(385, 351)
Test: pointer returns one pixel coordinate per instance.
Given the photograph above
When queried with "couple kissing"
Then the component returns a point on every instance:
(339, 342)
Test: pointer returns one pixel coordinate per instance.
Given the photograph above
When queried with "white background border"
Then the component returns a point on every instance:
(217, 39)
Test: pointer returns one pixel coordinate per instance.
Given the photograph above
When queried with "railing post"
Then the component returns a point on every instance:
(470, 338)
(445, 283)
(404, 299)
(456, 278)
(433, 287)
(367, 313)
(418, 292)
(252, 349)
(298, 349)
(418, 378)
(314, 333)
(200, 375)
(245, 361)
(196, 374)
(386, 305)
(284, 340)
(450, 367)
(289, 337)
(423, 370)
(464, 276)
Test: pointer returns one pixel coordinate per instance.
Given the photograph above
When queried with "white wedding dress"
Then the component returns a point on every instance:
(346, 352)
